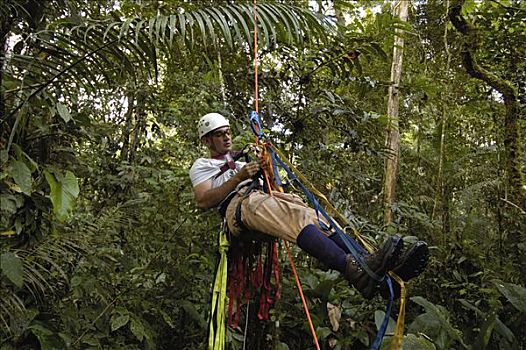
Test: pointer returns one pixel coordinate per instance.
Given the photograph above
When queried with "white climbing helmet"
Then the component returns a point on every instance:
(210, 122)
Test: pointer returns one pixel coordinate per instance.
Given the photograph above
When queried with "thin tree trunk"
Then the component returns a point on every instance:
(5, 29)
(393, 132)
(140, 125)
(221, 79)
(441, 192)
(127, 127)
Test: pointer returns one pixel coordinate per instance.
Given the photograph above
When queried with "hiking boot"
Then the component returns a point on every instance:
(379, 262)
(411, 264)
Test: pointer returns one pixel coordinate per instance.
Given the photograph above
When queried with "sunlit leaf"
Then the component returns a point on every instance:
(63, 111)
(64, 191)
(118, 321)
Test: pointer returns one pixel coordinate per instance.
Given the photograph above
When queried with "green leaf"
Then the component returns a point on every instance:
(22, 176)
(379, 316)
(323, 332)
(63, 111)
(118, 321)
(514, 293)
(137, 329)
(64, 191)
(11, 266)
(47, 338)
(412, 341)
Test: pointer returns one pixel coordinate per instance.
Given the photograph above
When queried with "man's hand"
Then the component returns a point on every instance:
(207, 197)
(249, 170)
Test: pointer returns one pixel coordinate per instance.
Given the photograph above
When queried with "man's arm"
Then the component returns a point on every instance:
(208, 197)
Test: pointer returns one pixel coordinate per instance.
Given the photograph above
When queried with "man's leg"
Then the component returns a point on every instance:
(412, 262)
(316, 244)
(298, 224)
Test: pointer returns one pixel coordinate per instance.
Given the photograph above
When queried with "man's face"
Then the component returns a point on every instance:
(219, 141)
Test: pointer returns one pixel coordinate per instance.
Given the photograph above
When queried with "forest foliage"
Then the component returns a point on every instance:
(101, 243)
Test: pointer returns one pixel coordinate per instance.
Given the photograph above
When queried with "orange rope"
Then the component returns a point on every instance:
(256, 94)
(298, 284)
(256, 97)
(256, 104)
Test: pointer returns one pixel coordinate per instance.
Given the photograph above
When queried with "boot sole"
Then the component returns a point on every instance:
(414, 261)
(411, 265)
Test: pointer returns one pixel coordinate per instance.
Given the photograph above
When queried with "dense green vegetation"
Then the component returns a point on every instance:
(101, 243)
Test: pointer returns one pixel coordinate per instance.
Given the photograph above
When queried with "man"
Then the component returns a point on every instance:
(219, 181)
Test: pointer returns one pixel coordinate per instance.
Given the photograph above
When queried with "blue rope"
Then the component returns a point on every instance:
(254, 122)
(356, 250)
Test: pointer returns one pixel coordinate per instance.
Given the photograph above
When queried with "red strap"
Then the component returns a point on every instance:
(275, 264)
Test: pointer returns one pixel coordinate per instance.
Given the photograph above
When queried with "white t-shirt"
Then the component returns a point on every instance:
(207, 168)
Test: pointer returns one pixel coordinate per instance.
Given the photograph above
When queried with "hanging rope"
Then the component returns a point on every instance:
(269, 187)
(217, 328)
(396, 342)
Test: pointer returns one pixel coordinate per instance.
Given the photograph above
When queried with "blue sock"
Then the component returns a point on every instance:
(316, 244)
(339, 241)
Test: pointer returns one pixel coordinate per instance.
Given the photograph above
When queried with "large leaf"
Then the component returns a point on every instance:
(64, 191)
(11, 266)
(22, 176)
(500, 327)
(47, 338)
(137, 329)
(118, 321)
(514, 293)
(63, 112)
(435, 323)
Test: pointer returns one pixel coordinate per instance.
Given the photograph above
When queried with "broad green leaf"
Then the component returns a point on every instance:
(22, 176)
(118, 321)
(435, 320)
(415, 342)
(11, 266)
(64, 191)
(323, 332)
(514, 293)
(379, 316)
(137, 329)
(500, 327)
(47, 338)
(167, 318)
(63, 111)
(8, 204)
(282, 346)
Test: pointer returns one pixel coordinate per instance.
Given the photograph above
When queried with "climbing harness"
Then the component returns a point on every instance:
(352, 245)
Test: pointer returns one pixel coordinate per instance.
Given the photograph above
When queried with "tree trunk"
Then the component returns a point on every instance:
(393, 132)
(140, 125)
(441, 192)
(5, 29)
(512, 143)
(127, 127)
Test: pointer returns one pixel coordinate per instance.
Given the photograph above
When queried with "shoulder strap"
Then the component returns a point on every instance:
(230, 161)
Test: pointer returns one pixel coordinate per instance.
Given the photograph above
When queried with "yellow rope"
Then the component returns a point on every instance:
(216, 337)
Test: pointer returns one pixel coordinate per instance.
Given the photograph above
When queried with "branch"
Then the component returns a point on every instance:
(508, 7)
(43, 86)
(469, 47)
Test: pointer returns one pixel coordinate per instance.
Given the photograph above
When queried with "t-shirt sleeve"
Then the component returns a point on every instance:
(202, 170)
